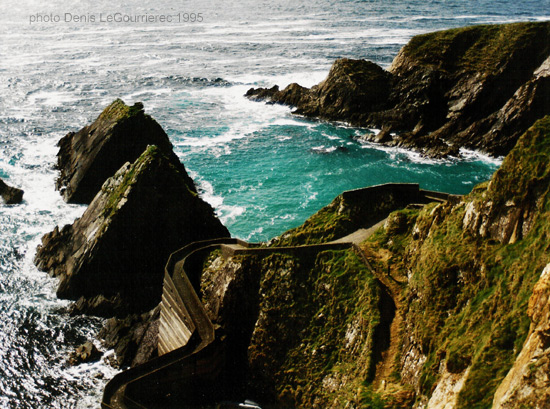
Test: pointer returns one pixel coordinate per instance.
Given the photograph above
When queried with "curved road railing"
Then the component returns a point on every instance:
(115, 394)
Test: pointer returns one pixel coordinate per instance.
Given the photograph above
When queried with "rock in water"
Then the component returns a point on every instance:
(352, 88)
(11, 195)
(86, 352)
(90, 156)
(119, 247)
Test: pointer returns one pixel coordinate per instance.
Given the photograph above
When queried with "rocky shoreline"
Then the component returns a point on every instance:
(111, 260)
(477, 87)
(441, 303)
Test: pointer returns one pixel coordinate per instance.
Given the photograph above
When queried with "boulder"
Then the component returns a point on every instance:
(119, 247)
(477, 87)
(90, 156)
(10, 195)
(85, 353)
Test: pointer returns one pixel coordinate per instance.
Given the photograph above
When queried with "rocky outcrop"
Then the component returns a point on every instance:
(284, 318)
(114, 255)
(134, 338)
(477, 87)
(352, 89)
(84, 353)
(527, 385)
(513, 199)
(10, 195)
(119, 135)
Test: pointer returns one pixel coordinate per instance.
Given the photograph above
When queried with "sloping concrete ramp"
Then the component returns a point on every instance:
(190, 357)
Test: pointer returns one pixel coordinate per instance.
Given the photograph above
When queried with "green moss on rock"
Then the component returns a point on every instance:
(314, 339)
(483, 49)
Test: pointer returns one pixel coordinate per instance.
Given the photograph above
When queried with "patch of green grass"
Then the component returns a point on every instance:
(329, 223)
(118, 110)
(481, 48)
(311, 307)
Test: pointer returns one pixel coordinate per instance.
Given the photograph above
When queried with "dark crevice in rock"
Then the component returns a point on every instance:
(382, 332)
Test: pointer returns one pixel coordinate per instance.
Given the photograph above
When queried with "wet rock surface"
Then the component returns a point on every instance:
(84, 353)
(9, 194)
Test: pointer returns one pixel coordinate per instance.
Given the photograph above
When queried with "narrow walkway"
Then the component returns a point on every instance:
(200, 357)
(360, 235)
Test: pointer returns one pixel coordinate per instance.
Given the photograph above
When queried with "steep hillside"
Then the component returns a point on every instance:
(437, 309)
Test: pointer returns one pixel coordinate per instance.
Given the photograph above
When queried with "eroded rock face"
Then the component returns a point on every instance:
(352, 89)
(477, 87)
(118, 248)
(119, 135)
(527, 385)
(10, 195)
(134, 338)
(515, 195)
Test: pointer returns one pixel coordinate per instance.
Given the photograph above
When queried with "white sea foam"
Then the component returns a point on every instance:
(226, 213)
(479, 156)
(51, 98)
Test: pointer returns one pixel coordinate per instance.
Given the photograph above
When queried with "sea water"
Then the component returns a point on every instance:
(262, 169)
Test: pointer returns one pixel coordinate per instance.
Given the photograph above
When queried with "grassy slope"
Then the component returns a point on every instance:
(307, 308)
(467, 296)
(481, 49)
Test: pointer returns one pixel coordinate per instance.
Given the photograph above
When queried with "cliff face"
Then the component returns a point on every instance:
(306, 333)
(433, 310)
(478, 87)
(528, 384)
(466, 315)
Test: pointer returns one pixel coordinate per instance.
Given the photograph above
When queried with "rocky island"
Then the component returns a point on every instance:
(111, 260)
(389, 297)
(10, 194)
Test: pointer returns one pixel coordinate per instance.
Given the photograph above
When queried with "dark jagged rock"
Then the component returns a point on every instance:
(477, 87)
(134, 338)
(90, 156)
(10, 195)
(86, 352)
(352, 88)
(119, 246)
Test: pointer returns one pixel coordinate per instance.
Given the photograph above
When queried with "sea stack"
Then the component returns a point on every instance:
(118, 248)
(119, 135)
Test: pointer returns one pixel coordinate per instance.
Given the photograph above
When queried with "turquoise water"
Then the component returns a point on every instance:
(275, 177)
(262, 169)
